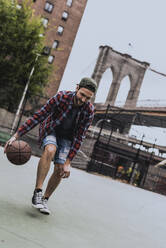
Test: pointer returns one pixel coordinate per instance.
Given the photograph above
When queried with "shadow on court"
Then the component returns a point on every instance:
(87, 211)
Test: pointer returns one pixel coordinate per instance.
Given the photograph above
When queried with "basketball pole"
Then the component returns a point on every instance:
(22, 98)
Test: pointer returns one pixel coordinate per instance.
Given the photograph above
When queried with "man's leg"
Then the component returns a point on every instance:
(42, 171)
(59, 160)
(54, 181)
(44, 164)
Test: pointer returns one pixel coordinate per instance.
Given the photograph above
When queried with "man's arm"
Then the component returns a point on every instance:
(38, 117)
(81, 133)
(65, 169)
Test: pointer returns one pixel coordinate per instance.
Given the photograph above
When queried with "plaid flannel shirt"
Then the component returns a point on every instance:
(52, 114)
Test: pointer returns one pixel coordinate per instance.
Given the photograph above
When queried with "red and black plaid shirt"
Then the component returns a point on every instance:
(52, 114)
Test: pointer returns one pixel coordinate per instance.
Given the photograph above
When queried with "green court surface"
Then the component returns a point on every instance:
(88, 211)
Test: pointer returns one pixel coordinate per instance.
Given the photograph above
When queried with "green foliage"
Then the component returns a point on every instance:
(20, 42)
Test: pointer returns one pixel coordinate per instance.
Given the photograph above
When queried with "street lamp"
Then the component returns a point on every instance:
(23, 97)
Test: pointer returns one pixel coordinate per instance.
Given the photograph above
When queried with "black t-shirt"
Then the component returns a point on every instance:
(67, 127)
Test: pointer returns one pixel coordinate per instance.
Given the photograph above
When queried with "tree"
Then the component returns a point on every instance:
(20, 41)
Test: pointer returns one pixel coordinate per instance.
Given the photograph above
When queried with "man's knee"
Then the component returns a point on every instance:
(50, 150)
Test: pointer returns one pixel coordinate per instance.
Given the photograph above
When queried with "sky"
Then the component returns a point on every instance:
(133, 27)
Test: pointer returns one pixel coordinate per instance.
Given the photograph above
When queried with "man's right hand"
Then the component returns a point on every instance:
(10, 141)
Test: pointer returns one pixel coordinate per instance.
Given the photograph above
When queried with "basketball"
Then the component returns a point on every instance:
(19, 152)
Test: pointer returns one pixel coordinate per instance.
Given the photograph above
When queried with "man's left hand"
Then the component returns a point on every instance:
(66, 169)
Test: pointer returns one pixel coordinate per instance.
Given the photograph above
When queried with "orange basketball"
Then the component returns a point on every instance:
(19, 152)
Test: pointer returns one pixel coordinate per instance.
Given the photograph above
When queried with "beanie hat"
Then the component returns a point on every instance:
(88, 83)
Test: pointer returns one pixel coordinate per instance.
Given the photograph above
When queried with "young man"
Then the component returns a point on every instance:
(64, 120)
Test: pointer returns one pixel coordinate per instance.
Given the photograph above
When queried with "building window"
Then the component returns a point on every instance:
(65, 15)
(51, 59)
(69, 3)
(46, 50)
(60, 30)
(48, 7)
(45, 22)
(55, 44)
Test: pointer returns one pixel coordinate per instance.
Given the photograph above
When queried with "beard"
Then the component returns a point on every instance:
(77, 101)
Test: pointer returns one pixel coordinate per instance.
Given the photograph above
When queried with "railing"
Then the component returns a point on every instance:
(145, 103)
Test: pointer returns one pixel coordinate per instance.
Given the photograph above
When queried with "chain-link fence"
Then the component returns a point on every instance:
(156, 180)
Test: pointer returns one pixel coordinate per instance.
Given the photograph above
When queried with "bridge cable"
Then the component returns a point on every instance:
(160, 73)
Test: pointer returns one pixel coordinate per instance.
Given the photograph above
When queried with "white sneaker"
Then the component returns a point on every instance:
(37, 200)
(45, 209)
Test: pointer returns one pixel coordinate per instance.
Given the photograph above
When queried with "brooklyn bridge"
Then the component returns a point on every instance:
(122, 118)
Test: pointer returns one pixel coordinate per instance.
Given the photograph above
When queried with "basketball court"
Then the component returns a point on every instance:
(87, 211)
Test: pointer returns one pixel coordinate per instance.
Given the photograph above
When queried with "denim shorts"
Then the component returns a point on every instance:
(62, 147)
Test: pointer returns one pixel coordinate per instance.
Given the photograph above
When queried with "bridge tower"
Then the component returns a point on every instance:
(121, 65)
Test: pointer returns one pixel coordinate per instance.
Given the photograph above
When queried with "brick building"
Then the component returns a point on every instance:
(61, 19)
